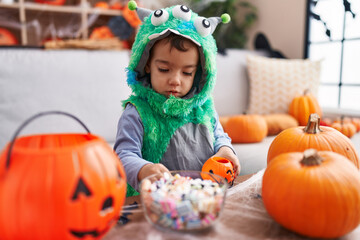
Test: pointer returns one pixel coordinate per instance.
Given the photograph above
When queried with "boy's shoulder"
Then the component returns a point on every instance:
(130, 112)
(129, 107)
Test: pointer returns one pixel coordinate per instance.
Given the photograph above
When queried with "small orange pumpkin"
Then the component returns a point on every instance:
(103, 32)
(102, 4)
(313, 136)
(52, 2)
(326, 122)
(59, 186)
(356, 122)
(117, 6)
(246, 128)
(220, 166)
(346, 127)
(316, 194)
(302, 106)
(7, 38)
(353, 120)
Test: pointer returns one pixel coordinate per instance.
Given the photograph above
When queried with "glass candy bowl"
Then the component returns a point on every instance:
(183, 200)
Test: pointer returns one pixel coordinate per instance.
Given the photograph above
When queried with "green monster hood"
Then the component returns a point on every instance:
(159, 24)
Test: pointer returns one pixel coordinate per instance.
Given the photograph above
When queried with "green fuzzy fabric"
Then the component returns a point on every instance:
(160, 127)
(130, 191)
(162, 116)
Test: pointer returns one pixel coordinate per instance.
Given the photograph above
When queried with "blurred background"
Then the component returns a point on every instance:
(317, 29)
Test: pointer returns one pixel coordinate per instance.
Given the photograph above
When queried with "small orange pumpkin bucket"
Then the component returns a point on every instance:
(59, 186)
(220, 166)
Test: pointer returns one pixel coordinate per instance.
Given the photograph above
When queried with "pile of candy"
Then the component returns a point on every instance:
(182, 203)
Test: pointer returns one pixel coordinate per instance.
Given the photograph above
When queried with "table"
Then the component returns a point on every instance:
(243, 217)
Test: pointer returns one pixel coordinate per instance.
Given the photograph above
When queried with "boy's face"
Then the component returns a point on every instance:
(172, 71)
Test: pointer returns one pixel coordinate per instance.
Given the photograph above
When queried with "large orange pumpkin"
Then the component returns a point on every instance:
(302, 106)
(313, 136)
(220, 166)
(59, 186)
(246, 128)
(316, 194)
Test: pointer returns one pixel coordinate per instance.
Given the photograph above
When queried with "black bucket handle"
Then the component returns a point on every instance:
(22, 126)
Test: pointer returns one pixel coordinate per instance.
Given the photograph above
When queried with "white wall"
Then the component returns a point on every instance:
(283, 22)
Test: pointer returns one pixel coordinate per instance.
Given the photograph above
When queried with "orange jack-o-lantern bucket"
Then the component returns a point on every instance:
(220, 166)
(59, 186)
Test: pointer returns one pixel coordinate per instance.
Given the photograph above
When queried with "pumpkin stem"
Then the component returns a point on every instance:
(313, 125)
(311, 158)
(306, 91)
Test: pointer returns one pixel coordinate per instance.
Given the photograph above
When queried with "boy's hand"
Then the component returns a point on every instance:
(150, 169)
(227, 153)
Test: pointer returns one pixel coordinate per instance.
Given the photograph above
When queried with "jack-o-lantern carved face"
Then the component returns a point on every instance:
(220, 166)
(97, 195)
(65, 192)
(105, 209)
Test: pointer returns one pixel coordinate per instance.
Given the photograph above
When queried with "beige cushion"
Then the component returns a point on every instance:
(231, 92)
(275, 82)
(278, 122)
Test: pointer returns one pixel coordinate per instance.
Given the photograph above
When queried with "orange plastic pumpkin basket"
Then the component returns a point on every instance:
(59, 186)
(220, 166)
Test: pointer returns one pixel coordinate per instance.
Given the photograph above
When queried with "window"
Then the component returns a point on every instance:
(333, 35)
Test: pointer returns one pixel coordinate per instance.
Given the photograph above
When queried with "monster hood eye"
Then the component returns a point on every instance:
(202, 26)
(159, 17)
(182, 12)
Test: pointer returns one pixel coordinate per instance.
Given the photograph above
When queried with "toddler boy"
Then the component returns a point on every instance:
(169, 121)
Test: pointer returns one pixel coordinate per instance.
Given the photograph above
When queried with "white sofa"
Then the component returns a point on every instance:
(231, 97)
(91, 86)
(87, 84)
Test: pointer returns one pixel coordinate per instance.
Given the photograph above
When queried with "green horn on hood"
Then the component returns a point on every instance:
(225, 18)
(142, 12)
